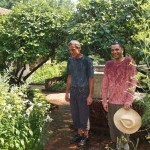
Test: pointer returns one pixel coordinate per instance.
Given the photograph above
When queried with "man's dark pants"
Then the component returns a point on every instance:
(79, 107)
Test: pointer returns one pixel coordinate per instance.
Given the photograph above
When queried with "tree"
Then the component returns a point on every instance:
(97, 23)
(142, 38)
(9, 3)
(33, 30)
(142, 49)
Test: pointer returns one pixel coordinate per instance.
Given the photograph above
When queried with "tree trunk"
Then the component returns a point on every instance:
(34, 69)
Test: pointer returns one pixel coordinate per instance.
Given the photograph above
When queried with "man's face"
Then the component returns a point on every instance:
(74, 51)
(116, 51)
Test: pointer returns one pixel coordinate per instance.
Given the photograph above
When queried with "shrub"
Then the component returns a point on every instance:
(48, 71)
(23, 116)
(58, 87)
(144, 103)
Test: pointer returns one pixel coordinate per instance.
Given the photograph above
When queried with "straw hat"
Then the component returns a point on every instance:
(127, 121)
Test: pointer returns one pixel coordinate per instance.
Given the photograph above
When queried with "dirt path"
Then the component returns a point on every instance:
(60, 130)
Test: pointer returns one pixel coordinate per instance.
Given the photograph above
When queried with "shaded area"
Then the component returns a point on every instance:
(60, 130)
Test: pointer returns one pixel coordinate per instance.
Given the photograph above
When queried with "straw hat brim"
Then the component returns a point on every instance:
(132, 115)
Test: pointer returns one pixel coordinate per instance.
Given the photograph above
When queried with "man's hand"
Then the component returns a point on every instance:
(126, 106)
(67, 98)
(105, 106)
(89, 100)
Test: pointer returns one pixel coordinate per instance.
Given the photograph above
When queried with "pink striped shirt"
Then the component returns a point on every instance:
(119, 82)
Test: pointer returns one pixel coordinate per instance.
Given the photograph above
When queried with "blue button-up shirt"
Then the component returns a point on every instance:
(80, 69)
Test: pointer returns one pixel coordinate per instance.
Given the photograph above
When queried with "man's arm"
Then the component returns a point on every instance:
(67, 98)
(105, 84)
(91, 89)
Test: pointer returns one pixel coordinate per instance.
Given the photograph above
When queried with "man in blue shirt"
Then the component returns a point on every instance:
(80, 83)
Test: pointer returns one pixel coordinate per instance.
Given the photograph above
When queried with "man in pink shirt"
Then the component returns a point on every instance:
(118, 87)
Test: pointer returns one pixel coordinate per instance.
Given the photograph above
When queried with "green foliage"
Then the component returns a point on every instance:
(146, 114)
(44, 72)
(143, 105)
(96, 24)
(23, 117)
(33, 30)
(8, 3)
(144, 81)
(48, 71)
(58, 87)
(142, 40)
(37, 29)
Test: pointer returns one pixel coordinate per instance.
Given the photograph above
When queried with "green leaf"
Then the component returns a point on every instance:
(2, 141)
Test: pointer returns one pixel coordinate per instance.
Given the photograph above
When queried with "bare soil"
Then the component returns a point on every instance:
(61, 130)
